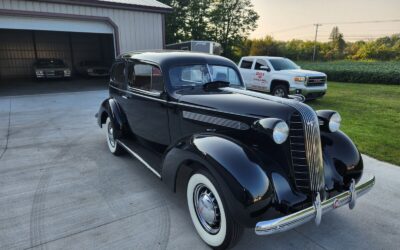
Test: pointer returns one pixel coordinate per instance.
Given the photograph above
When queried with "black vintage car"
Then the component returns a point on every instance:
(247, 159)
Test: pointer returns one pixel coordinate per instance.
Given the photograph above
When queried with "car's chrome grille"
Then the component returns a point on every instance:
(310, 144)
(301, 172)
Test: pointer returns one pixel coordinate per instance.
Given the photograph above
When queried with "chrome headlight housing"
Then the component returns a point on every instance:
(329, 120)
(277, 129)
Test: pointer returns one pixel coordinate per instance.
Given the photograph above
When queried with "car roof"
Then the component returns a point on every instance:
(263, 57)
(167, 58)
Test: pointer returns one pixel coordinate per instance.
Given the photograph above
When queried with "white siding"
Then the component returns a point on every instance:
(137, 30)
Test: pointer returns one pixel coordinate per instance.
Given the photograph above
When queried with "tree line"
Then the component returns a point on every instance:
(384, 48)
(230, 22)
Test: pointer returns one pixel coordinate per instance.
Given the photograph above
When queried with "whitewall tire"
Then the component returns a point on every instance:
(113, 146)
(208, 212)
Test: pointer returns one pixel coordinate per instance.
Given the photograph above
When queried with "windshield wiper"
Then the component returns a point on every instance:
(215, 85)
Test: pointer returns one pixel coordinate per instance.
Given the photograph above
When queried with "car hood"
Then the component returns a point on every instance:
(240, 102)
(301, 72)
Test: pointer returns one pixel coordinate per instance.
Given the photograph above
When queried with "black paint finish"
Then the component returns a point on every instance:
(216, 130)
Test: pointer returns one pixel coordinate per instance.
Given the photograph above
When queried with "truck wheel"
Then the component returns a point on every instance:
(113, 146)
(210, 217)
(280, 90)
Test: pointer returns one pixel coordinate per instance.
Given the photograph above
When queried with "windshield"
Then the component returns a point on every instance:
(283, 64)
(50, 63)
(198, 75)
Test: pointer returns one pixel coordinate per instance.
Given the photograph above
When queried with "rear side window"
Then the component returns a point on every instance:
(246, 64)
(146, 77)
(118, 73)
(260, 63)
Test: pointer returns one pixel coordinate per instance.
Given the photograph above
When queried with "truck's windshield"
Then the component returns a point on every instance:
(283, 64)
(199, 74)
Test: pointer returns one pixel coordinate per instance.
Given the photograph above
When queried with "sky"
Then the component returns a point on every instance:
(294, 19)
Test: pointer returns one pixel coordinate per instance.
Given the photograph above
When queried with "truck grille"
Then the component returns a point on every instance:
(315, 81)
(301, 173)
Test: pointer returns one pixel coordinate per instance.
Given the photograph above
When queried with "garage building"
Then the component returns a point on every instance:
(75, 30)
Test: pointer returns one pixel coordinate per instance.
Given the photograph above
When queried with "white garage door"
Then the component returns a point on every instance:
(55, 24)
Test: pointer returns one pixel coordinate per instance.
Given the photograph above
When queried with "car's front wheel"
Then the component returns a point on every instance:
(209, 214)
(113, 146)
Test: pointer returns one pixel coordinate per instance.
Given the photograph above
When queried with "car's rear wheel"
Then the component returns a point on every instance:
(280, 90)
(209, 214)
(112, 143)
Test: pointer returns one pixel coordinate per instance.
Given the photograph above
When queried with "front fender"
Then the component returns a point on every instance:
(342, 160)
(236, 168)
(110, 108)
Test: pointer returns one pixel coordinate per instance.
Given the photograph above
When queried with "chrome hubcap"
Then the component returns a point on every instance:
(207, 209)
(279, 93)
(111, 135)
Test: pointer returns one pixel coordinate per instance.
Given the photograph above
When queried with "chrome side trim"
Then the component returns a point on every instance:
(134, 154)
(140, 94)
(314, 212)
(215, 120)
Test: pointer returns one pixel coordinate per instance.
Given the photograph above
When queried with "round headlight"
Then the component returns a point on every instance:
(334, 122)
(281, 132)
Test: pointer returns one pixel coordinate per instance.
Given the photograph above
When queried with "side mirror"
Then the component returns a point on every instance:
(266, 68)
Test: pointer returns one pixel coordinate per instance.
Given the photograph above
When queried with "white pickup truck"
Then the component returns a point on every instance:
(280, 77)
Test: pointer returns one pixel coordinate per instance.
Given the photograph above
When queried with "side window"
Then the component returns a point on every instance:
(118, 74)
(246, 64)
(260, 63)
(146, 77)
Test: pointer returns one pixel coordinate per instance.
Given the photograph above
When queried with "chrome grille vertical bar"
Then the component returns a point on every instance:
(313, 146)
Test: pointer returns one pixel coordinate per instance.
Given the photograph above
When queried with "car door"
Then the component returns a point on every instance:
(246, 71)
(262, 75)
(145, 103)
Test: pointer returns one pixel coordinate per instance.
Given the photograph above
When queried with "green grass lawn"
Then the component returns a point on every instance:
(370, 116)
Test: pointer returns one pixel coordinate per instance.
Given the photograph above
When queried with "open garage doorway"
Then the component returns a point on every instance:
(20, 49)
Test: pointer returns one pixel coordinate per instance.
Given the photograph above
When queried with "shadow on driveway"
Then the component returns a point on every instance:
(16, 87)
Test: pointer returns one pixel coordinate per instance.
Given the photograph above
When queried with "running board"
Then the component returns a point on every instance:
(137, 156)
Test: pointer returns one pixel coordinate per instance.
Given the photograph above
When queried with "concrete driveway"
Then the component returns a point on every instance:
(60, 188)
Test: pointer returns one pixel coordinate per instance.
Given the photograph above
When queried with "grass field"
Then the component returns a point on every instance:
(370, 116)
(358, 71)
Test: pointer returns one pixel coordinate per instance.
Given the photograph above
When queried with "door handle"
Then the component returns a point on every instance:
(125, 97)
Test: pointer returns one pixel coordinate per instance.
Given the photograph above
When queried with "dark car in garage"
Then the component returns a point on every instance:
(245, 159)
(93, 69)
(50, 68)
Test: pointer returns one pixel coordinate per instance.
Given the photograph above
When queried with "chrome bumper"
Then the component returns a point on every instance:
(315, 212)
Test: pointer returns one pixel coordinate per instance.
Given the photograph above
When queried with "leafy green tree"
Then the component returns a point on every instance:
(228, 22)
(338, 43)
(231, 21)
(175, 22)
